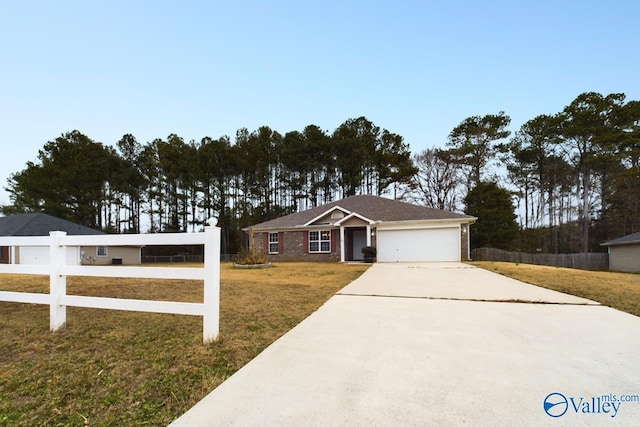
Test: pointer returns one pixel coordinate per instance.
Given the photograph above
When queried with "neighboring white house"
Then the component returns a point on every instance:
(40, 224)
(624, 253)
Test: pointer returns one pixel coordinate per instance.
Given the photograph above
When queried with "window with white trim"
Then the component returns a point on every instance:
(101, 251)
(320, 241)
(273, 243)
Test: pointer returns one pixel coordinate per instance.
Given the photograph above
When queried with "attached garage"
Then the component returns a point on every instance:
(430, 244)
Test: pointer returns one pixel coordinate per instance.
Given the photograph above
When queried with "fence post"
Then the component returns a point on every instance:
(211, 317)
(57, 282)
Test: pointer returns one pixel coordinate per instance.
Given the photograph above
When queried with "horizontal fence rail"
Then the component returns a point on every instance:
(583, 261)
(58, 270)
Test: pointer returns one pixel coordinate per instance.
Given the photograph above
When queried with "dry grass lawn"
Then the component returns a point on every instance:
(618, 290)
(123, 368)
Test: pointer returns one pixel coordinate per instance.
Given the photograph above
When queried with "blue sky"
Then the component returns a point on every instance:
(208, 68)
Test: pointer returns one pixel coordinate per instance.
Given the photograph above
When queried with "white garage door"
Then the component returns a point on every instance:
(435, 244)
(39, 255)
(34, 255)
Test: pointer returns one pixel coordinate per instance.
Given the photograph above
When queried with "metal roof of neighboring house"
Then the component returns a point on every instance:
(629, 239)
(372, 207)
(40, 224)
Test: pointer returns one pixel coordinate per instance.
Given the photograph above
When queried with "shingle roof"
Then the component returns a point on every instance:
(629, 239)
(40, 224)
(372, 207)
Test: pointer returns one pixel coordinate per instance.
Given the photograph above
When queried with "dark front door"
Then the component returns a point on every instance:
(355, 240)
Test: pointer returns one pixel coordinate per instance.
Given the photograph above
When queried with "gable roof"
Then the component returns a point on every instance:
(351, 216)
(375, 208)
(327, 212)
(40, 224)
(629, 239)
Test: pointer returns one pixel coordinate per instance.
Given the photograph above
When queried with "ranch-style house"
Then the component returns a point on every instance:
(337, 231)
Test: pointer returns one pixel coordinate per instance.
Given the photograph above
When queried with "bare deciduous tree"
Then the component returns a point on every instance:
(438, 182)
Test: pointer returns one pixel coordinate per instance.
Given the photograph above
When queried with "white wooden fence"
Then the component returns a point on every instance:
(58, 270)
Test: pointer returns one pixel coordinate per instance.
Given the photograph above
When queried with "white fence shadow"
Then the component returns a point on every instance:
(58, 270)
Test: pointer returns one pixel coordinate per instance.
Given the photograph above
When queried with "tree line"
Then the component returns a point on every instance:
(575, 175)
(170, 185)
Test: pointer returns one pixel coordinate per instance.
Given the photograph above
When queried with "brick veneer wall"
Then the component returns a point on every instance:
(293, 248)
(4, 255)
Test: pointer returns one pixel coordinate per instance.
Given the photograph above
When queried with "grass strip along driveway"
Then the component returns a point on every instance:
(123, 368)
(617, 290)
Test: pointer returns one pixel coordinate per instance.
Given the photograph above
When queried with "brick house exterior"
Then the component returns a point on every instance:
(4, 255)
(337, 232)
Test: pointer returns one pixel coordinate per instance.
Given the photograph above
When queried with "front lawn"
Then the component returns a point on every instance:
(123, 368)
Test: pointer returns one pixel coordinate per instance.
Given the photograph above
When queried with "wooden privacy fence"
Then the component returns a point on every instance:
(588, 261)
(58, 270)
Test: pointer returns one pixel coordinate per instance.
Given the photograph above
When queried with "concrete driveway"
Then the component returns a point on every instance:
(439, 344)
